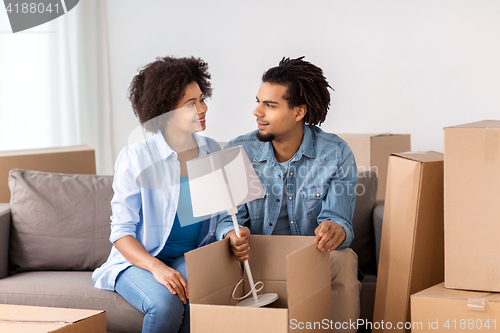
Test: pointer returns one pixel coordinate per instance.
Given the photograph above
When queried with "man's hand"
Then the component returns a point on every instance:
(329, 236)
(172, 279)
(239, 246)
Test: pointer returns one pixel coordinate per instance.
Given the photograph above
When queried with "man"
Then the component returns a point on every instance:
(309, 177)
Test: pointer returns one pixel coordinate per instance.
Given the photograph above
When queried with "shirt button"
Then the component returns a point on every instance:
(317, 194)
(270, 224)
(277, 200)
(279, 176)
(291, 222)
(291, 173)
(290, 198)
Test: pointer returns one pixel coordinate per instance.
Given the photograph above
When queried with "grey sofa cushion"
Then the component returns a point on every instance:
(59, 222)
(362, 223)
(70, 290)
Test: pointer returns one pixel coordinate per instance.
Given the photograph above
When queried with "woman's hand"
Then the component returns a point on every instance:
(137, 255)
(171, 279)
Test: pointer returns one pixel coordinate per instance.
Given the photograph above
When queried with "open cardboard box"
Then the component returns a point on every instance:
(39, 319)
(372, 153)
(290, 266)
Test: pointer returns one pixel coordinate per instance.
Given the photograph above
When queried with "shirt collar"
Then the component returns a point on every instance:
(165, 151)
(266, 151)
(202, 143)
(163, 148)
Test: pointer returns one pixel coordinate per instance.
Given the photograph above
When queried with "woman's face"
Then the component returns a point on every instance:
(189, 114)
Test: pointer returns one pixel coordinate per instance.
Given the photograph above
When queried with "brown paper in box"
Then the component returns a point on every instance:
(73, 160)
(472, 206)
(38, 319)
(411, 251)
(290, 266)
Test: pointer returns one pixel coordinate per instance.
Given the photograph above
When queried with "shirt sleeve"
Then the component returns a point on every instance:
(225, 224)
(338, 205)
(126, 202)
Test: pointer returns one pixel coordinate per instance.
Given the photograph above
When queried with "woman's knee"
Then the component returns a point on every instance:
(165, 303)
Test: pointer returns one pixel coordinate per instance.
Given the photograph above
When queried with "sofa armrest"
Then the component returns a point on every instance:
(4, 239)
(378, 217)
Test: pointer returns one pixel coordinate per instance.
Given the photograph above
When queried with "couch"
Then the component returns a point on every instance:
(55, 231)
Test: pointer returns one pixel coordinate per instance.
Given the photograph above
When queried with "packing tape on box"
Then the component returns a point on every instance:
(35, 322)
(478, 304)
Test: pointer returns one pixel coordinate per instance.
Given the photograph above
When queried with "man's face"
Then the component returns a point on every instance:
(276, 121)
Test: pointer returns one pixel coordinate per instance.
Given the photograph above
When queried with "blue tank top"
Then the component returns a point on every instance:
(186, 228)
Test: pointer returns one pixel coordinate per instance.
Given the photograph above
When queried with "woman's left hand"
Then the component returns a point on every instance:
(171, 279)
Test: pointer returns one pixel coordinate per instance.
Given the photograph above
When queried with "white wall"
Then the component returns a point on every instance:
(396, 66)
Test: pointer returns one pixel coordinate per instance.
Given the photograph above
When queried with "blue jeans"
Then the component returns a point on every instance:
(164, 311)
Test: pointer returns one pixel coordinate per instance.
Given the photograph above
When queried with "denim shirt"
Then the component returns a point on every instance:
(321, 186)
(146, 193)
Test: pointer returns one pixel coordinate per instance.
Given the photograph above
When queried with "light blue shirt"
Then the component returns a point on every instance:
(144, 205)
(321, 184)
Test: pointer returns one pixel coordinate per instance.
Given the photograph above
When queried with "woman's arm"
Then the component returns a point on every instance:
(137, 255)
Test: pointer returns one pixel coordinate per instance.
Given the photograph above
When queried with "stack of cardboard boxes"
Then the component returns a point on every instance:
(468, 299)
(441, 223)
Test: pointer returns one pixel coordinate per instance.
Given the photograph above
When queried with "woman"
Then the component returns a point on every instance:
(152, 224)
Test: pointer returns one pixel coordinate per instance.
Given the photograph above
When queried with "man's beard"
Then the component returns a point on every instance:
(265, 137)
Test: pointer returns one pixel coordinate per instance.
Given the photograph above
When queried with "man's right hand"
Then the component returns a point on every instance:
(239, 246)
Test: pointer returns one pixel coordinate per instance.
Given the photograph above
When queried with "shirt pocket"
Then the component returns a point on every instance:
(313, 196)
(256, 208)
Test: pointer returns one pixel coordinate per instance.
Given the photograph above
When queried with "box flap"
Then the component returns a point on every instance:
(421, 156)
(48, 315)
(308, 271)
(316, 307)
(268, 255)
(211, 268)
(479, 124)
(44, 151)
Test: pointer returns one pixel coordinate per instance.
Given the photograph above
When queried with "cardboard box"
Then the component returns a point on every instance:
(38, 319)
(472, 206)
(290, 266)
(372, 152)
(74, 160)
(438, 309)
(412, 249)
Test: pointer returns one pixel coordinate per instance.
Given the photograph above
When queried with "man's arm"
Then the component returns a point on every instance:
(335, 219)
